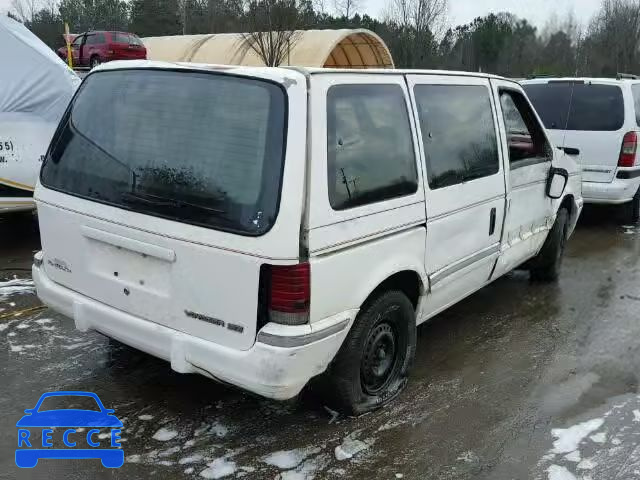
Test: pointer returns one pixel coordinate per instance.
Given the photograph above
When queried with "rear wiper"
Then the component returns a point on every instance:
(158, 201)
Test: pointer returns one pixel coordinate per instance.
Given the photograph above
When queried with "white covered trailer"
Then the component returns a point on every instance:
(35, 88)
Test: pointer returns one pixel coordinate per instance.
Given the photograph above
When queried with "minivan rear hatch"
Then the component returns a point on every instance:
(584, 118)
(166, 191)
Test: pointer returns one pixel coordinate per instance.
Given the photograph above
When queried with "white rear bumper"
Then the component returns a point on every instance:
(616, 192)
(266, 369)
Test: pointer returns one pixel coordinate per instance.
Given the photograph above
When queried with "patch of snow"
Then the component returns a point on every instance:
(351, 446)
(189, 443)
(133, 458)
(306, 471)
(73, 346)
(43, 321)
(560, 473)
(399, 475)
(390, 425)
(12, 334)
(218, 430)
(636, 415)
(616, 441)
(102, 436)
(568, 439)
(17, 286)
(22, 326)
(574, 456)
(145, 417)
(169, 451)
(468, 457)
(219, 468)
(164, 435)
(599, 437)
(12, 304)
(21, 348)
(166, 463)
(188, 470)
(286, 459)
(191, 459)
(587, 464)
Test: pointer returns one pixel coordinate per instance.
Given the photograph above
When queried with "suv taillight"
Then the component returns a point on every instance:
(628, 150)
(289, 294)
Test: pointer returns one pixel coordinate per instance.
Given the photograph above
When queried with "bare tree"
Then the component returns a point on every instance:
(346, 8)
(417, 25)
(421, 15)
(272, 26)
(615, 35)
(25, 10)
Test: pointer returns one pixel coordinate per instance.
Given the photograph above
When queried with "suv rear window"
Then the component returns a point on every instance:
(199, 148)
(593, 107)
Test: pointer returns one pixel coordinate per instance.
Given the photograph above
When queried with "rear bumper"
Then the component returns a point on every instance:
(616, 192)
(267, 368)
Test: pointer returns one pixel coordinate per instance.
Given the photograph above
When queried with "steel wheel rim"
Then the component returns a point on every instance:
(379, 358)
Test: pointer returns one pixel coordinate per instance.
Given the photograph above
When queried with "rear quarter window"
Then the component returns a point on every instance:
(370, 151)
(581, 106)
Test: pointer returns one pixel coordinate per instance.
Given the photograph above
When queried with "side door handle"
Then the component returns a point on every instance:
(570, 150)
(492, 221)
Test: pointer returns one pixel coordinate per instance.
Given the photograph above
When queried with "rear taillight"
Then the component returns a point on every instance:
(628, 150)
(289, 294)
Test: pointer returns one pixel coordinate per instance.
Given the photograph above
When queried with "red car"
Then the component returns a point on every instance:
(93, 48)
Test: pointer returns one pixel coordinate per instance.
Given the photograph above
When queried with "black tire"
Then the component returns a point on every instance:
(546, 266)
(94, 61)
(372, 365)
(631, 211)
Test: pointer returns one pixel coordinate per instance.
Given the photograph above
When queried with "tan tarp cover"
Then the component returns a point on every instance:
(311, 48)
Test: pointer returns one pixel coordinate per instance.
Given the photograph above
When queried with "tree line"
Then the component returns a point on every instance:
(416, 31)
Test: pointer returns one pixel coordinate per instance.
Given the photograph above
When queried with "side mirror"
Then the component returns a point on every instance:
(557, 182)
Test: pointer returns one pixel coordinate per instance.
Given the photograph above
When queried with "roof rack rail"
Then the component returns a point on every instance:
(539, 75)
(627, 76)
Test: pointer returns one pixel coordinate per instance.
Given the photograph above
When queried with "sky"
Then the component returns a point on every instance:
(464, 11)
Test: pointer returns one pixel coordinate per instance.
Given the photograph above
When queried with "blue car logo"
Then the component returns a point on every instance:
(74, 421)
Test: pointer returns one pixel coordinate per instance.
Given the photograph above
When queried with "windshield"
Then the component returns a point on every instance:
(593, 107)
(200, 148)
(69, 402)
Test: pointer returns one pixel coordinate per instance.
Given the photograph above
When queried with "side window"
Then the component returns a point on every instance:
(458, 133)
(370, 155)
(635, 88)
(100, 39)
(92, 39)
(77, 41)
(525, 137)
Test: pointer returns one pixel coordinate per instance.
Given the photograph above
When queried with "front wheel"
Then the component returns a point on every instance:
(372, 365)
(95, 61)
(546, 265)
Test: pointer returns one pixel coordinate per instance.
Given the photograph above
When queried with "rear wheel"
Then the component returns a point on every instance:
(546, 266)
(372, 365)
(631, 211)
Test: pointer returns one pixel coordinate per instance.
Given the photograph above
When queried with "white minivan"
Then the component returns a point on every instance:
(264, 226)
(597, 122)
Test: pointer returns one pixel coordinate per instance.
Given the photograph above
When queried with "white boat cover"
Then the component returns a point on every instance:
(33, 79)
(35, 89)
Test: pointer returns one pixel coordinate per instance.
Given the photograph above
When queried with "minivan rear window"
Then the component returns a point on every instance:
(199, 148)
(594, 107)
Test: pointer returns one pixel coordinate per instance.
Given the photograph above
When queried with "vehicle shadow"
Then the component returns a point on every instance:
(19, 238)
